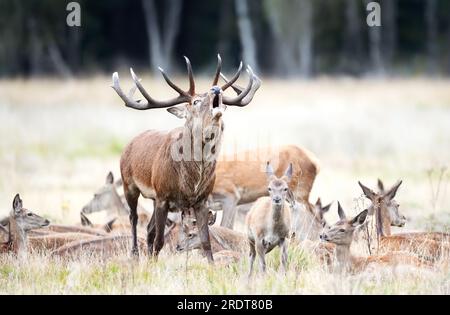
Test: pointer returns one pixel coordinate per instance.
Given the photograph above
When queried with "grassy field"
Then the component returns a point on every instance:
(60, 138)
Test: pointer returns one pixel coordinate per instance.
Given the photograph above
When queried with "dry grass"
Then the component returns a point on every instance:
(59, 139)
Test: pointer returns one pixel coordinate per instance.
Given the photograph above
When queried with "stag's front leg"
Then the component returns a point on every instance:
(201, 215)
(132, 197)
(160, 213)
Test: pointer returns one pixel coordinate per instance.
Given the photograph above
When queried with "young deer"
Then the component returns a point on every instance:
(221, 238)
(268, 222)
(431, 245)
(308, 223)
(341, 234)
(21, 221)
(242, 181)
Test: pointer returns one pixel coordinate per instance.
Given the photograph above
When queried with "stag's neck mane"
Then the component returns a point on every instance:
(198, 163)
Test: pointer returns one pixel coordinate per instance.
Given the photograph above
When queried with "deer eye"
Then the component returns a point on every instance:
(29, 214)
(285, 189)
(194, 222)
(269, 189)
(342, 230)
(197, 102)
(190, 235)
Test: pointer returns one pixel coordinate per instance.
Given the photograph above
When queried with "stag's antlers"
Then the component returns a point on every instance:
(244, 95)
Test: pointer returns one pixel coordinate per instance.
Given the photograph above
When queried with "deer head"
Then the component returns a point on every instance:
(24, 219)
(320, 211)
(188, 236)
(104, 198)
(341, 233)
(385, 207)
(202, 111)
(278, 187)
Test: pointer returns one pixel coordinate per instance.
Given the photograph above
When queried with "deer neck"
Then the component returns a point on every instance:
(344, 257)
(277, 212)
(118, 207)
(198, 163)
(17, 238)
(383, 222)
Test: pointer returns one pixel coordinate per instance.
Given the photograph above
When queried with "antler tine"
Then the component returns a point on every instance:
(191, 76)
(246, 96)
(218, 69)
(170, 83)
(233, 80)
(128, 101)
(150, 102)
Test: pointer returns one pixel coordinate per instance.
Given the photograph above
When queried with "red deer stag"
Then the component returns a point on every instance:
(177, 168)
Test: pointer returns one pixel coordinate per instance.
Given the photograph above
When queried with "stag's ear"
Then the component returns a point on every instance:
(369, 193)
(288, 173)
(390, 194)
(341, 212)
(380, 186)
(212, 217)
(17, 203)
(108, 227)
(84, 220)
(179, 111)
(110, 178)
(269, 171)
(359, 219)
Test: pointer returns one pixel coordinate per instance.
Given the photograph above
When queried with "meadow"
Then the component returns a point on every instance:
(60, 138)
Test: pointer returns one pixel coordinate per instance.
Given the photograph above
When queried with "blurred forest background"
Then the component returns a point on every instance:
(290, 38)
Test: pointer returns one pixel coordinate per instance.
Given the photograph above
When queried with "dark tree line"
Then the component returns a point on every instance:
(285, 38)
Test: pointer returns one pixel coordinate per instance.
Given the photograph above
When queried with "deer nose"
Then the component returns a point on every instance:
(178, 248)
(216, 90)
(46, 222)
(277, 199)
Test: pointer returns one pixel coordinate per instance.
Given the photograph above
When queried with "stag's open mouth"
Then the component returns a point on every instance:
(216, 101)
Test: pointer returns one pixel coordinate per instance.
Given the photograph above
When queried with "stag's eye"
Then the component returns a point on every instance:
(197, 102)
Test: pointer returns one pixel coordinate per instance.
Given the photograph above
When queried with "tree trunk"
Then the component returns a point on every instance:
(375, 53)
(171, 29)
(352, 52)
(389, 17)
(154, 40)
(432, 30)
(246, 34)
(306, 38)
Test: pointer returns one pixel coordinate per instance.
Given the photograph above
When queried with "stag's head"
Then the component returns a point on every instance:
(201, 111)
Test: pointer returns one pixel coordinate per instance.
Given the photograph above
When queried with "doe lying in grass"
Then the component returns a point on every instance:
(21, 221)
(268, 222)
(341, 234)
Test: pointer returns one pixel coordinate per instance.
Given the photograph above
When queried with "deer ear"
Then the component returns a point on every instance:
(212, 217)
(17, 203)
(319, 203)
(84, 220)
(367, 191)
(288, 172)
(108, 227)
(3, 230)
(359, 219)
(390, 194)
(380, 185)
(341, 212)
(269, 170)
(179, 111)
(110, 178)
(326, 208)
